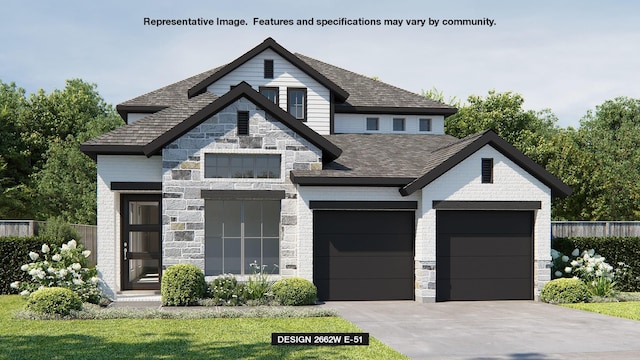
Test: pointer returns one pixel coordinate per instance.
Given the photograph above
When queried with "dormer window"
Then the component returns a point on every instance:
(268, 69)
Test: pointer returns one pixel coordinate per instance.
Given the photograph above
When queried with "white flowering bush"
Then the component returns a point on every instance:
(587, 266)
(65, 266)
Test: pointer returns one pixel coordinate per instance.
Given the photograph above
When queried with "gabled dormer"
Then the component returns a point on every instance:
(283, 78)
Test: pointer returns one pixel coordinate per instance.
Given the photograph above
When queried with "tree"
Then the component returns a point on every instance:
(604, 164)
(42, 171)
(14, 154)
(529, 131)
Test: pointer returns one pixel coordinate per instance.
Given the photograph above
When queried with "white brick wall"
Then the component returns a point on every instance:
(463, 183)
(128, 168)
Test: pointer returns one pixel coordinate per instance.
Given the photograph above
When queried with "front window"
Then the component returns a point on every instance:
(242, 166)
(239, 233)
(297, 103)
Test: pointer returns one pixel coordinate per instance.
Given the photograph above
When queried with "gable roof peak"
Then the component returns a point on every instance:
(269, 43)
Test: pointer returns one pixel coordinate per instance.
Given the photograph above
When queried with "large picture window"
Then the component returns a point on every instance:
(241, 232)
(243, 166)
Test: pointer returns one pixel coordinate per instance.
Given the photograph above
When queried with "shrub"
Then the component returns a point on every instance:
(565, 291)
(295, 291)
(226, 290)
(56, 229)
(182, 285)
(65, 266)
(615, 249)
(54, 300)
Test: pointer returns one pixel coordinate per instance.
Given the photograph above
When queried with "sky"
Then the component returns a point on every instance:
(567, 56)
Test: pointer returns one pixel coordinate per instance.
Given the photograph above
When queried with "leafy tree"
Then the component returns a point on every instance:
(529, 131)
(605, 164)
(66, 184)
(42, 171)
(14, 164)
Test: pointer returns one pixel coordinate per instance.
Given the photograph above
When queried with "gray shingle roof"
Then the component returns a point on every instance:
(381, 155)
(147, 129)
(171, 94)
(365, 91)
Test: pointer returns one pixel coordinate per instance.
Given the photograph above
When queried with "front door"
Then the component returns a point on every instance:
(141, 247)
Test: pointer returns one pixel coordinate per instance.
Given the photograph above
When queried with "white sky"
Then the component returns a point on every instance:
(568, 56)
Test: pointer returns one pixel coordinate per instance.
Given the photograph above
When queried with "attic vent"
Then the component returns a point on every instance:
(487, 171)
(243, 123)
(268, 69)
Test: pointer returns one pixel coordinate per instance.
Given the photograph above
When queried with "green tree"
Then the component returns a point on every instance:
(42, 171)
(66, 183)
(14, 154)
(603, 164)
(529, 131)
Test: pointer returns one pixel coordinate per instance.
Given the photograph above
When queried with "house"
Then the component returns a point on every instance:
(310, 170)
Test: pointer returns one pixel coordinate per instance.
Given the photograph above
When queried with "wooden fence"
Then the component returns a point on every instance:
(595, 228)
(88, 233)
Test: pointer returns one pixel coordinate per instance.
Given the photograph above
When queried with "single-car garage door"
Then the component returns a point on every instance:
(484, 255)
(363, 255)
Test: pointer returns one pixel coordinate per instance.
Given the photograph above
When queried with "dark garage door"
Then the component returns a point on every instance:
(484, 255)
(363, 255)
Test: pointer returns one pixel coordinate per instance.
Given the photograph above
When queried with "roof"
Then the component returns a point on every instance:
(411, 162)
(363, 94)
(269, 43)
(367, 95)
(375, 159)
(149, 135)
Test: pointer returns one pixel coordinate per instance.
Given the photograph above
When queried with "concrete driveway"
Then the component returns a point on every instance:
(493, 330)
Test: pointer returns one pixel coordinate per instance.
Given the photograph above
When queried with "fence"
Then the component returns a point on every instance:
(595, 228)
(88, 233)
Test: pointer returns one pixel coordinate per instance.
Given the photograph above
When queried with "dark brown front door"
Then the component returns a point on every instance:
(141, 247)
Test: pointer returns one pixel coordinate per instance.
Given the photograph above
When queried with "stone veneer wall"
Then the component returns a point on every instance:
(183, 179)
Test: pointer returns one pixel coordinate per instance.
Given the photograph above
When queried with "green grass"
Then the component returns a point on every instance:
(241, 338)
(628, 310)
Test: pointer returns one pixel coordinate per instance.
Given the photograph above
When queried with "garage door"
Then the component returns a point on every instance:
(484, 255)
(363, 255)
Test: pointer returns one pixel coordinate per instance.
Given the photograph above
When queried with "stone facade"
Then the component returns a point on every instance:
(183, 180)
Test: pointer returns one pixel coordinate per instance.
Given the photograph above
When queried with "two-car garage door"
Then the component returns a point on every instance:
(369, 255)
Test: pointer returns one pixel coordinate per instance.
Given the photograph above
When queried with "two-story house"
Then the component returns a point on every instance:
(311, 170)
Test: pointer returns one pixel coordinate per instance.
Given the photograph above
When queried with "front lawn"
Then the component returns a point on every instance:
(628, 309)
(241, 338)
